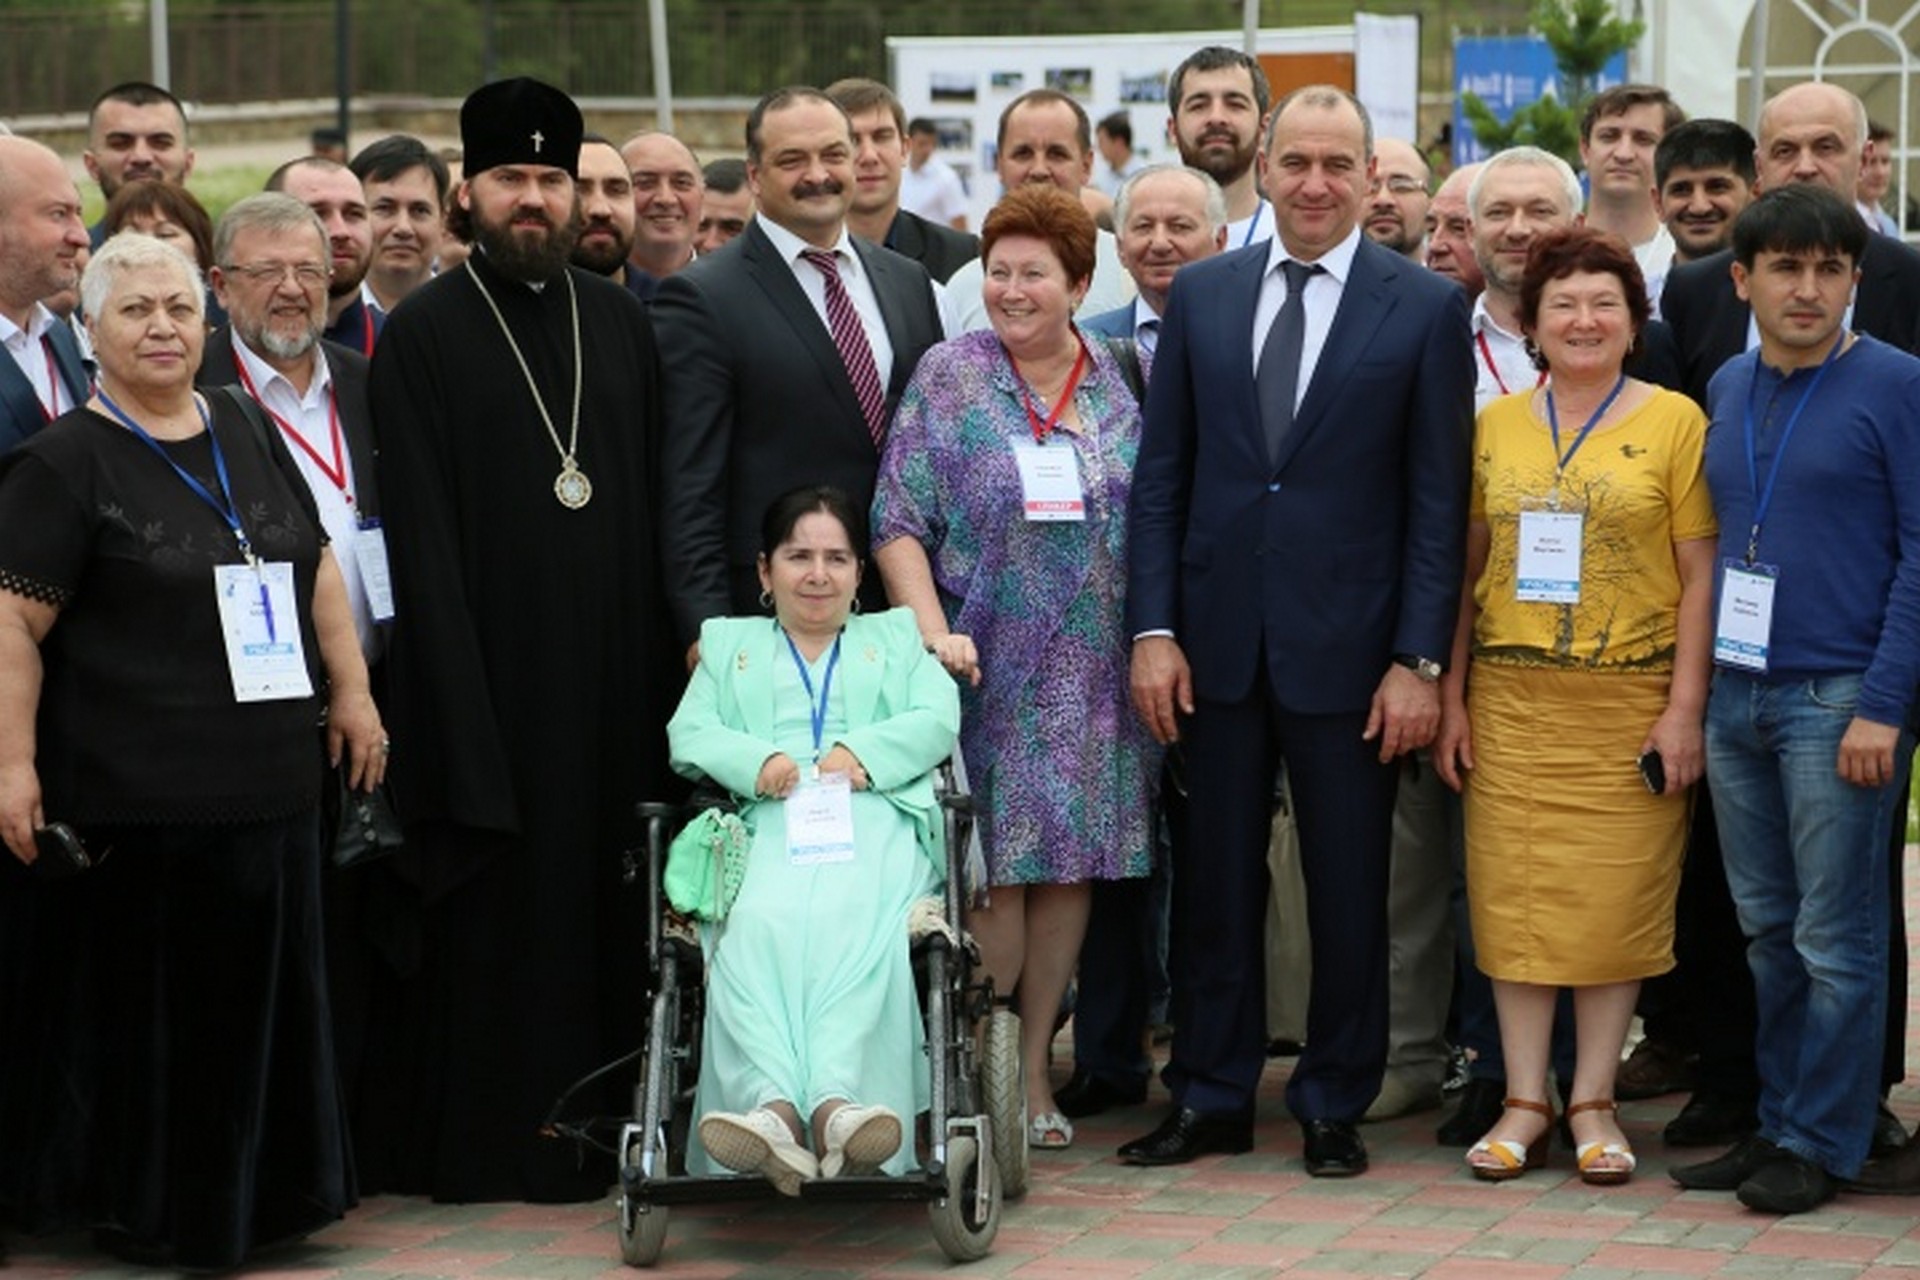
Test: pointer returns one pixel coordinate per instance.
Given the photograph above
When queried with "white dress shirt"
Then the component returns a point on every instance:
(1501, 365)
(1321, 301)
(853, 274)
(308, 420)
(30, 351)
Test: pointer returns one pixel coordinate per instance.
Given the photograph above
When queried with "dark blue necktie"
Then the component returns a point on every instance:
(1278, 380)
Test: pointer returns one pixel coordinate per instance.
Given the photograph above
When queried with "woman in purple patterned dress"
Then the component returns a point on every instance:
(1000, 518)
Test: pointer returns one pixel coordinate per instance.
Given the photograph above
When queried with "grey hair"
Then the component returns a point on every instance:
(132, 251)
(1515, 156)
(1327, 98)
(267, 211)
(1861, 125)
(1216, 200)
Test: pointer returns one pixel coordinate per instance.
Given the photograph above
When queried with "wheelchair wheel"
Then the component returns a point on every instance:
(1006, 1099)
(963, 1233)
(643, 1233)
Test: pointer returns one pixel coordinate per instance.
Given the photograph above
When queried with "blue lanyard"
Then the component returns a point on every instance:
(816, 708)
(1560, 460)
(1253, 223)
(1763, 498)
(222, 504)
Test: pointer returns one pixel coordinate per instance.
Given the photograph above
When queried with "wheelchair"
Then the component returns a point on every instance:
(974, 1143)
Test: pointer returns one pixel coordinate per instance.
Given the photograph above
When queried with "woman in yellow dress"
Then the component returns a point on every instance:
(1571, 714)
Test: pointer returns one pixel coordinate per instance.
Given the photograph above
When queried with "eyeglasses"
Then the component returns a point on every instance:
(1398, 185)
(308, 275)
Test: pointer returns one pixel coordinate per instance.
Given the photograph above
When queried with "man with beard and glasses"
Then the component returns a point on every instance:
(783, 359)
(528, 688)
(606, 214)
(1397, 199)
(338, 200)
(1216, 100)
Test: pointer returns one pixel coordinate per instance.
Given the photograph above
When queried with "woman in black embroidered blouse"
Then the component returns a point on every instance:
(171, 627)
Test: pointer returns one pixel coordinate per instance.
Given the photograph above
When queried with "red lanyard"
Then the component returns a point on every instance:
(1487, 354)
(53, 381)
(337, 473)
(1042, 429)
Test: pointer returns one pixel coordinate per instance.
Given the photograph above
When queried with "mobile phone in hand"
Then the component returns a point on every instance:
(59, 852)
(1653, 772)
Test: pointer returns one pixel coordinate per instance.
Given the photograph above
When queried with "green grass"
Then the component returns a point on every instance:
(214, 188)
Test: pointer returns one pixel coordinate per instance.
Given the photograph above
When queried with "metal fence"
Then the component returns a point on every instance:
(245, 51)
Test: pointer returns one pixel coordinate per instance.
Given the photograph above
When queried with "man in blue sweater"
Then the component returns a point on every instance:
(1817, 653)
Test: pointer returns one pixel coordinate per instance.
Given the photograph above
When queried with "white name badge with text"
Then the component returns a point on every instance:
(820, 821)
(1050, 482)
(370, 553)
(1742, 632)
(1548, 565)
(260, 621)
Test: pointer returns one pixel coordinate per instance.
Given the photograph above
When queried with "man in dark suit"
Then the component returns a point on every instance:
(1297, 541)
(41, 236)
(879, 125)
(1808, 133)
(1815, 133)
(777, 374)
(271, 276)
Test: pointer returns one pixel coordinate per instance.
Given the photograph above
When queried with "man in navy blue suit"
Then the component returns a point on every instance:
(41, 236)
(1298, 523)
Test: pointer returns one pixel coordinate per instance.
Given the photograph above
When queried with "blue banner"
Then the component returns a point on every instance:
(1507, 72)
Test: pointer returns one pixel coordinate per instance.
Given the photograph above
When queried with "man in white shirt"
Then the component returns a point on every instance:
(1521, 193)
(1618, 134)
(1216, 100)
(41, 238)
(1113, 138)
(1045, 136)
(929, 187)
(270, 274)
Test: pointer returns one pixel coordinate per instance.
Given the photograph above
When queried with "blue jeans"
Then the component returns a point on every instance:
(1806, 859)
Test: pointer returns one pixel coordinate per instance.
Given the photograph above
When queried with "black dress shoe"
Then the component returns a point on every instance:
(1187, 1134)
(1727, 1171)
(1788, 1183)
(1333, 1149)
(1890, 1175)
(1889, 1135)
(1087, 1094)
(1712, 1119)
(1481, 1103)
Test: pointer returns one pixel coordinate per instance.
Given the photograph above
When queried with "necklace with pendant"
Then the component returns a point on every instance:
(571, 486)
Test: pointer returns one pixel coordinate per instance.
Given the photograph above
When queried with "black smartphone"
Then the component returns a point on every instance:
(60, 852)
(1653, 772)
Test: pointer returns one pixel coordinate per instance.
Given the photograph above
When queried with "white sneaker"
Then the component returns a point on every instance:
(759, 1142)
(859, 1140)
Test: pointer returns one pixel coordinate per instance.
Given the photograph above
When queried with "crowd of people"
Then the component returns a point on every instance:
(1538, 545)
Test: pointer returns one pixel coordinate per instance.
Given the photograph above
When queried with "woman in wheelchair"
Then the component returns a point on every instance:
(827, 727)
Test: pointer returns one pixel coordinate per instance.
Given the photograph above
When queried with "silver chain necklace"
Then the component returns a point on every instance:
(571, 486)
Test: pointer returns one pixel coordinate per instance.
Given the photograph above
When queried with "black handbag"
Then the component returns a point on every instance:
(360, 826)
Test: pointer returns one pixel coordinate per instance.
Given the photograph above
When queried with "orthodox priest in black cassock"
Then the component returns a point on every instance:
(531, 678)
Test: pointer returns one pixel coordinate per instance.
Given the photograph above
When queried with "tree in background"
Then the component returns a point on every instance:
(1584, 35)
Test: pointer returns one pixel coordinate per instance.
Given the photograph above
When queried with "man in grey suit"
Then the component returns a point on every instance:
(41, 376)
(1165, 216)
(783, 355)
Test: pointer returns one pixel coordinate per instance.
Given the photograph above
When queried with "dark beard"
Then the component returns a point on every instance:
(1224, 169)
(528, 261)
(601, 259)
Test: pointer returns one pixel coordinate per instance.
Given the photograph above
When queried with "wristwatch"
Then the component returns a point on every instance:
(1426, 668)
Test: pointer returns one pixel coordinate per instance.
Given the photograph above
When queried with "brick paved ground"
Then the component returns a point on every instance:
(1418, 1213)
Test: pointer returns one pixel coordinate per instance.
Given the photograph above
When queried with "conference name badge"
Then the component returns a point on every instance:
(260, 622)
(820, 821)
(370, 553)
(1547, 568)
(1742, 631)
(1050, 482)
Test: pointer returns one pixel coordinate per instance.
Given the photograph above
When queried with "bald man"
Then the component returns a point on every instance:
(668, 190)
(1450, 232)
(41, 238)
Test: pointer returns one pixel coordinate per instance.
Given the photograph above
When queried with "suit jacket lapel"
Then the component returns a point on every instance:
(21, 413)
(1235, 312)
(775, 279)
(1364, 303)
(863, 665)
(891, 314)
(66, 357)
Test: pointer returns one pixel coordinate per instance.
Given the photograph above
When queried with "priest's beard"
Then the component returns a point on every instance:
(527, 259)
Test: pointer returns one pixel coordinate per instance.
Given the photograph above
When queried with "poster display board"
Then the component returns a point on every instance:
(1508, 73)
(962, 83)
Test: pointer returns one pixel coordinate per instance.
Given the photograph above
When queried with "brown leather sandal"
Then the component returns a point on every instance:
(1588, 1154)
(1509, 1158)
